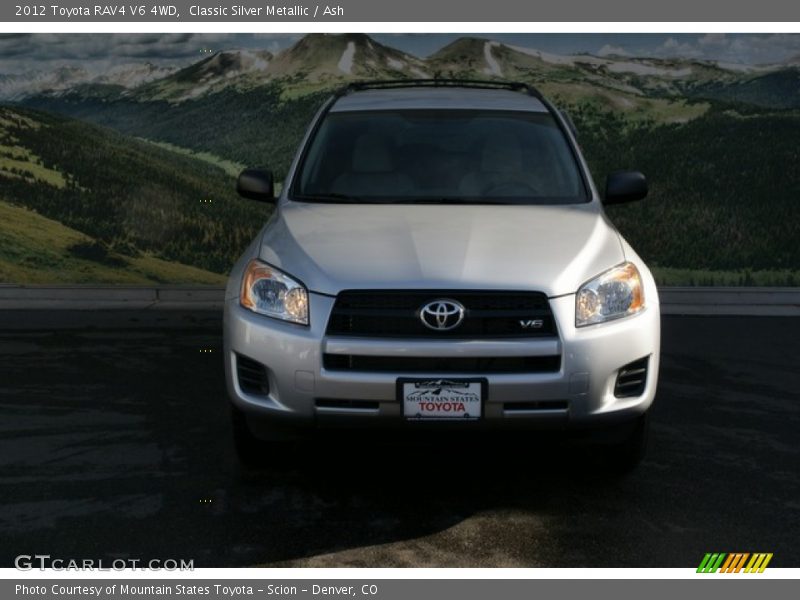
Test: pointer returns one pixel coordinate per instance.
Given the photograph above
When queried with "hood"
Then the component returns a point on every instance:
(334, 247)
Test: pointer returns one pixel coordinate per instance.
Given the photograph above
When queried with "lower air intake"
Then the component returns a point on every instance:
(631, 379)
(252, 376)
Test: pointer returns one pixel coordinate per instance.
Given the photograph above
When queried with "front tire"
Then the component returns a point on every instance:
(623, 456)
(251, 451)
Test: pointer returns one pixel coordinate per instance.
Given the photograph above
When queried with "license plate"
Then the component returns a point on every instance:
(442, 399)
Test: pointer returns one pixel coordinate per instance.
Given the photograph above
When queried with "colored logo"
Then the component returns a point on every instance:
(745, 562)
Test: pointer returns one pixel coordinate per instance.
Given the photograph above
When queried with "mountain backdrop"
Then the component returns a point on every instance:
(128, 175)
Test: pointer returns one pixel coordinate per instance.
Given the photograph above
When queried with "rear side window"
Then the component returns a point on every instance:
(440, 155)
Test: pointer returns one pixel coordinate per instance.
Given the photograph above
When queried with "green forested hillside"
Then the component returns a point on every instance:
(35, 249)
(780, 89)
(724, 187)
(129, 197)
(253, 127)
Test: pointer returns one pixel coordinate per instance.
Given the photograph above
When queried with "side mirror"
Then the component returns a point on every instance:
(256, 184)
(625, 186)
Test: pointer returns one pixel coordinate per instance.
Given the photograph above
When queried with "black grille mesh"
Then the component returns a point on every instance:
(395, 313)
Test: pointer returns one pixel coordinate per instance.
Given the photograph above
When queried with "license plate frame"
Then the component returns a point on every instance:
(468, 386)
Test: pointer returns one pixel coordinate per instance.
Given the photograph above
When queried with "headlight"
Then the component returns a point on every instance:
(268, 291)
(611, 295)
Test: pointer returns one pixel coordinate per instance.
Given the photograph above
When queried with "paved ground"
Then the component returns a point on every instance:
(115, 442)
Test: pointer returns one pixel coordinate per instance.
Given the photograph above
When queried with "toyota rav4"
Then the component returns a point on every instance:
(439, 257)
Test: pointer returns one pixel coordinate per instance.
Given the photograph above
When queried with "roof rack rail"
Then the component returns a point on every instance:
(563, 120)
(486, 84)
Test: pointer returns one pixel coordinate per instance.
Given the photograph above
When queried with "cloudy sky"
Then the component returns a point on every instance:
(24, 52)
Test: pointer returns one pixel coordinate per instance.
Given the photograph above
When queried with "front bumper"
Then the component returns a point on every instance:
(302, 392)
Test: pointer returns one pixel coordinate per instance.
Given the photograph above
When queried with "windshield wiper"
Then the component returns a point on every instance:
(331, 197)
(455, 200)
(337, 198)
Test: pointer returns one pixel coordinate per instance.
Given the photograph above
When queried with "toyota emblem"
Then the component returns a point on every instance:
(442, 315)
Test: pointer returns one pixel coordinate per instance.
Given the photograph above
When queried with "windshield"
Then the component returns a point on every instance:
(462, 156)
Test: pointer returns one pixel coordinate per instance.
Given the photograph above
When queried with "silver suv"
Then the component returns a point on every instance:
(439, 258)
